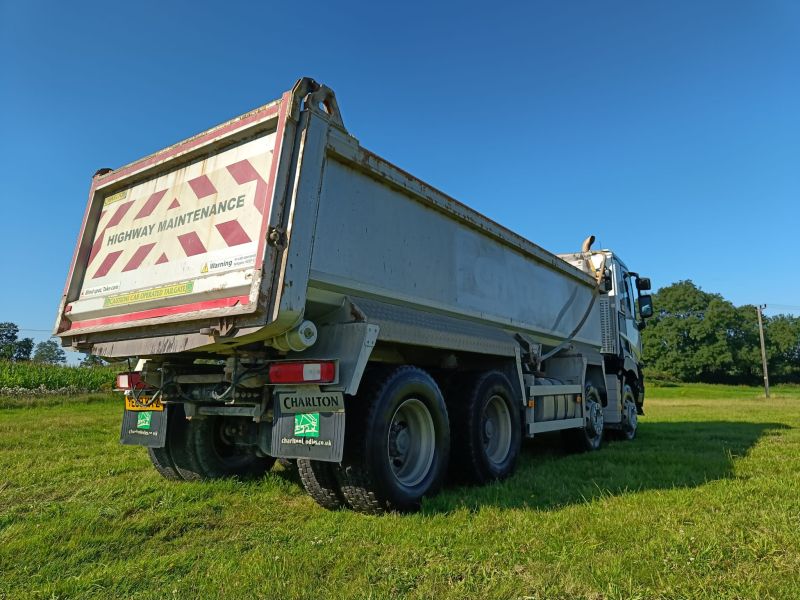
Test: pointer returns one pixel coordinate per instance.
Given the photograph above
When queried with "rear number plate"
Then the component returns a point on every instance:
(143, 403)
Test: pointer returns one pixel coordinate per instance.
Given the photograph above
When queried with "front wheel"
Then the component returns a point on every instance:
(590, 436)
(630, 420)
(397, 442)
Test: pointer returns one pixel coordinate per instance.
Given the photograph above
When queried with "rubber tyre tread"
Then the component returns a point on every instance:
(161, 457)
(467, 459)
(359, 482)
(319, 480)
(355, 483)
(177, 446)
(163, 463)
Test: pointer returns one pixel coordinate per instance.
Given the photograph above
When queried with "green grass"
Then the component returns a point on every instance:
(29, 375)
(710, 391)
(704, 504)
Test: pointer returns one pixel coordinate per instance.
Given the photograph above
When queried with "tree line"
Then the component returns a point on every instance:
(16, 349)
(698, 336)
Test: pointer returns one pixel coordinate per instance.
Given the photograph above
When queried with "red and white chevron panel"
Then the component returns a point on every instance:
(200, 221)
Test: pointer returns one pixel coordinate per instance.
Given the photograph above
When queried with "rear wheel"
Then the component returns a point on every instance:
(163, 463)
(397, 443)
(319, 480)
(160, 457)
(205, 449)
(486, 428)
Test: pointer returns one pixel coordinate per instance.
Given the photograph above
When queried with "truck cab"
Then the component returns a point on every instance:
(628, 307)
(624, 307)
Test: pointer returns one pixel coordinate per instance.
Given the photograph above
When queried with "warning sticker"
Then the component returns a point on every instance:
(115, 197)
(167, 291)
(228, 263)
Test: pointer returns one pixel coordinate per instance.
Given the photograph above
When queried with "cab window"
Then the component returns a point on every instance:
(630, 297)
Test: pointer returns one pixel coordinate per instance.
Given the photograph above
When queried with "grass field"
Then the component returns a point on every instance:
(705, 504)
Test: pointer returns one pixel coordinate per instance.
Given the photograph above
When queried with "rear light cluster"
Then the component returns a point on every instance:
(302, 372)
(130, 381)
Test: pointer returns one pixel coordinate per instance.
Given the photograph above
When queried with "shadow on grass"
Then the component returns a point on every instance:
(664, 456)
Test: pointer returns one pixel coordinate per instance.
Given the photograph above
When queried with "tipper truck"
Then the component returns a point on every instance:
(285, 293)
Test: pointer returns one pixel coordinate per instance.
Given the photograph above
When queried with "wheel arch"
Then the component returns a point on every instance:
(595, 376)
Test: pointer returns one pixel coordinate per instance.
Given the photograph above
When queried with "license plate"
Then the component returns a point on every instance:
(143, 403)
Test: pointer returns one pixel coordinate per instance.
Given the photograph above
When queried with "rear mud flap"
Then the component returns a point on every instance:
(144, 428)
(317, 436)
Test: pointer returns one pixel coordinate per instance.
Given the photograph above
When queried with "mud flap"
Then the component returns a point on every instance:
(144, 428)
(317, 436)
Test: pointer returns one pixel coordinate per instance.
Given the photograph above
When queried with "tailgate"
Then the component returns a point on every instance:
(181, 234)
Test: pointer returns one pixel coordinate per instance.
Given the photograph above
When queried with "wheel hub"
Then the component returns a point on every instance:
(401, 440)
(488, 429)
(595, 419)
(411, 442)
(497, 433)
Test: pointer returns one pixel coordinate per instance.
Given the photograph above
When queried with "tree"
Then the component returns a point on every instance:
(12, 348)
(49, 352)
(783, 348)
(700, 336)
(689, 336)
(91, 360)
(8, 337)
(23, 349)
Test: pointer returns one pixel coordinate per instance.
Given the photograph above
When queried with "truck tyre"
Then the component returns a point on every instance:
(176, 444)
(171, 460)
(630, 421)
(485, 428)
(319, 480)
(207, 453)
(397, 443)
(160, 457)
(590, 436)
(163, 463)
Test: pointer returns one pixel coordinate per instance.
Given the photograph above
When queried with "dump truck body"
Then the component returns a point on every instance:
(275, 278)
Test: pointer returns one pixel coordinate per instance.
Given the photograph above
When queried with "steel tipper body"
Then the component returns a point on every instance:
(290, 294)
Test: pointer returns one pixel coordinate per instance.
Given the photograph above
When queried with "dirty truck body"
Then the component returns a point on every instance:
(285, 293)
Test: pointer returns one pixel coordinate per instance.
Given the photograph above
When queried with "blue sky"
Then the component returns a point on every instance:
(670, 130)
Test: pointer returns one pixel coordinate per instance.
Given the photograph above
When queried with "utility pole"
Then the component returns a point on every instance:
(759, 308)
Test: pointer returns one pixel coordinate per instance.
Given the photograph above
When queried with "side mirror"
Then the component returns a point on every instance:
(646, 306)
(642, 284)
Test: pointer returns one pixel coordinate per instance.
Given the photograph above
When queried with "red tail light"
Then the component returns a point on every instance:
(302, 372)
(130, 381)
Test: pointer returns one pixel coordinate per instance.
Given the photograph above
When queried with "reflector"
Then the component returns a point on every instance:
(302, 372)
